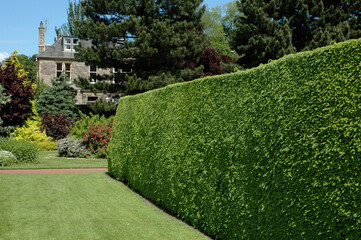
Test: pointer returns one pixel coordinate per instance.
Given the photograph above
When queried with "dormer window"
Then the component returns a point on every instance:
(70, 43)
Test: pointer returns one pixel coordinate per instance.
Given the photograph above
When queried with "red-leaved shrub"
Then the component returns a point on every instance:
(211, 61)
(56, 125)
(20, 89)
(97, 139)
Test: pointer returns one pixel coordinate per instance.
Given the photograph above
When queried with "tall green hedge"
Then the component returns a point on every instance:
(269, 153)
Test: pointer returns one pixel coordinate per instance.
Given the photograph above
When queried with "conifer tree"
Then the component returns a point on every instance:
(59, 98)
(153, 38)
(259, 35)
(271, 29)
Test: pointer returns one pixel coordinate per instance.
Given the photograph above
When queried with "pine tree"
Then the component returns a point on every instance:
(260, 36)
(153, 38)
(298, 24)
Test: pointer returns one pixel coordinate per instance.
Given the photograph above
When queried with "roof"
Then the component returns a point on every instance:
(57, 50)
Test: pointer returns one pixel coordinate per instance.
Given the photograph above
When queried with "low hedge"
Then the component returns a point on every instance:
(267, 153)
(24, 151)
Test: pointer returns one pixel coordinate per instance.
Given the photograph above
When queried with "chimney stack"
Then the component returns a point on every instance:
(41, 38)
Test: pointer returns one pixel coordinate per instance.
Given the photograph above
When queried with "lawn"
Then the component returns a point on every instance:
(50, 159)
(81, 206)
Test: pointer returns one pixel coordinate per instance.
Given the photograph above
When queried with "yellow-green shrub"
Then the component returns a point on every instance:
(31, 132)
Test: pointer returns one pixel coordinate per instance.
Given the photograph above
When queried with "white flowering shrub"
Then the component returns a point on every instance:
(6, 158)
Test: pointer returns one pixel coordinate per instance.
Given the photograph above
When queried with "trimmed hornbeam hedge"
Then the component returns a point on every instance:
(269, 153)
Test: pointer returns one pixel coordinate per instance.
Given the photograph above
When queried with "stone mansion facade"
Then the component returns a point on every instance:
(58, 58)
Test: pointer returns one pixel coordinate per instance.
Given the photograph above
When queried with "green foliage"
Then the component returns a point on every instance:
(70, 147)
(258, 36)
(81, 126)
(150, 37)
(60, 98)
(271, 29)
(268, 153)
(40, 87)
(6, 158)
(29, 65)
(24, 151)
(213, 28)
(103, 108)
(75, 14)
(137, 84)
(230, 13)
(218, 25)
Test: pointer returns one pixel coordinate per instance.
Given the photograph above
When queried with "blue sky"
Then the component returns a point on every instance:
(20, 19)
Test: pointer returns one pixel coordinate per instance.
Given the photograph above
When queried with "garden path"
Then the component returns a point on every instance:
(32, 171)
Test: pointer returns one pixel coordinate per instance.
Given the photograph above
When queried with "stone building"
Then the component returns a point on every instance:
(58, 58)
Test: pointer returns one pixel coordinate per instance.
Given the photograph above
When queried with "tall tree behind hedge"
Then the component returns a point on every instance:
(156, 38)
(271, 29)
(259, 36)
(19, 87)
(213, 28)
(219, 26)
(75, 14)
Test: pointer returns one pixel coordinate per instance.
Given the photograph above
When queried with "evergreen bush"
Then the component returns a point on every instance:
(268, 153)
(59, 98)
(103, 108)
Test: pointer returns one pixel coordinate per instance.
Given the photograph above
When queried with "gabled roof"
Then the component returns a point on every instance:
(56, 51)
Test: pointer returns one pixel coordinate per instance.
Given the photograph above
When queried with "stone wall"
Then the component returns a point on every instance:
(47, 72)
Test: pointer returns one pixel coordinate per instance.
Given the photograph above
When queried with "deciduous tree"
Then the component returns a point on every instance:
(75, 14)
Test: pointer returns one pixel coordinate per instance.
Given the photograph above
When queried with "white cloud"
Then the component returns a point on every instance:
(3, 56)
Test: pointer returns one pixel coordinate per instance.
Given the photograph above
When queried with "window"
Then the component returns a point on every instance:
(93, 70)
(126, 68)
(92, 99)
(63, 68)
(70, 43)
(115, 72)
(67, 44)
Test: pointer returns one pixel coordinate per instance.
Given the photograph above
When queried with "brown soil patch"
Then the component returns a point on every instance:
(37, 171)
